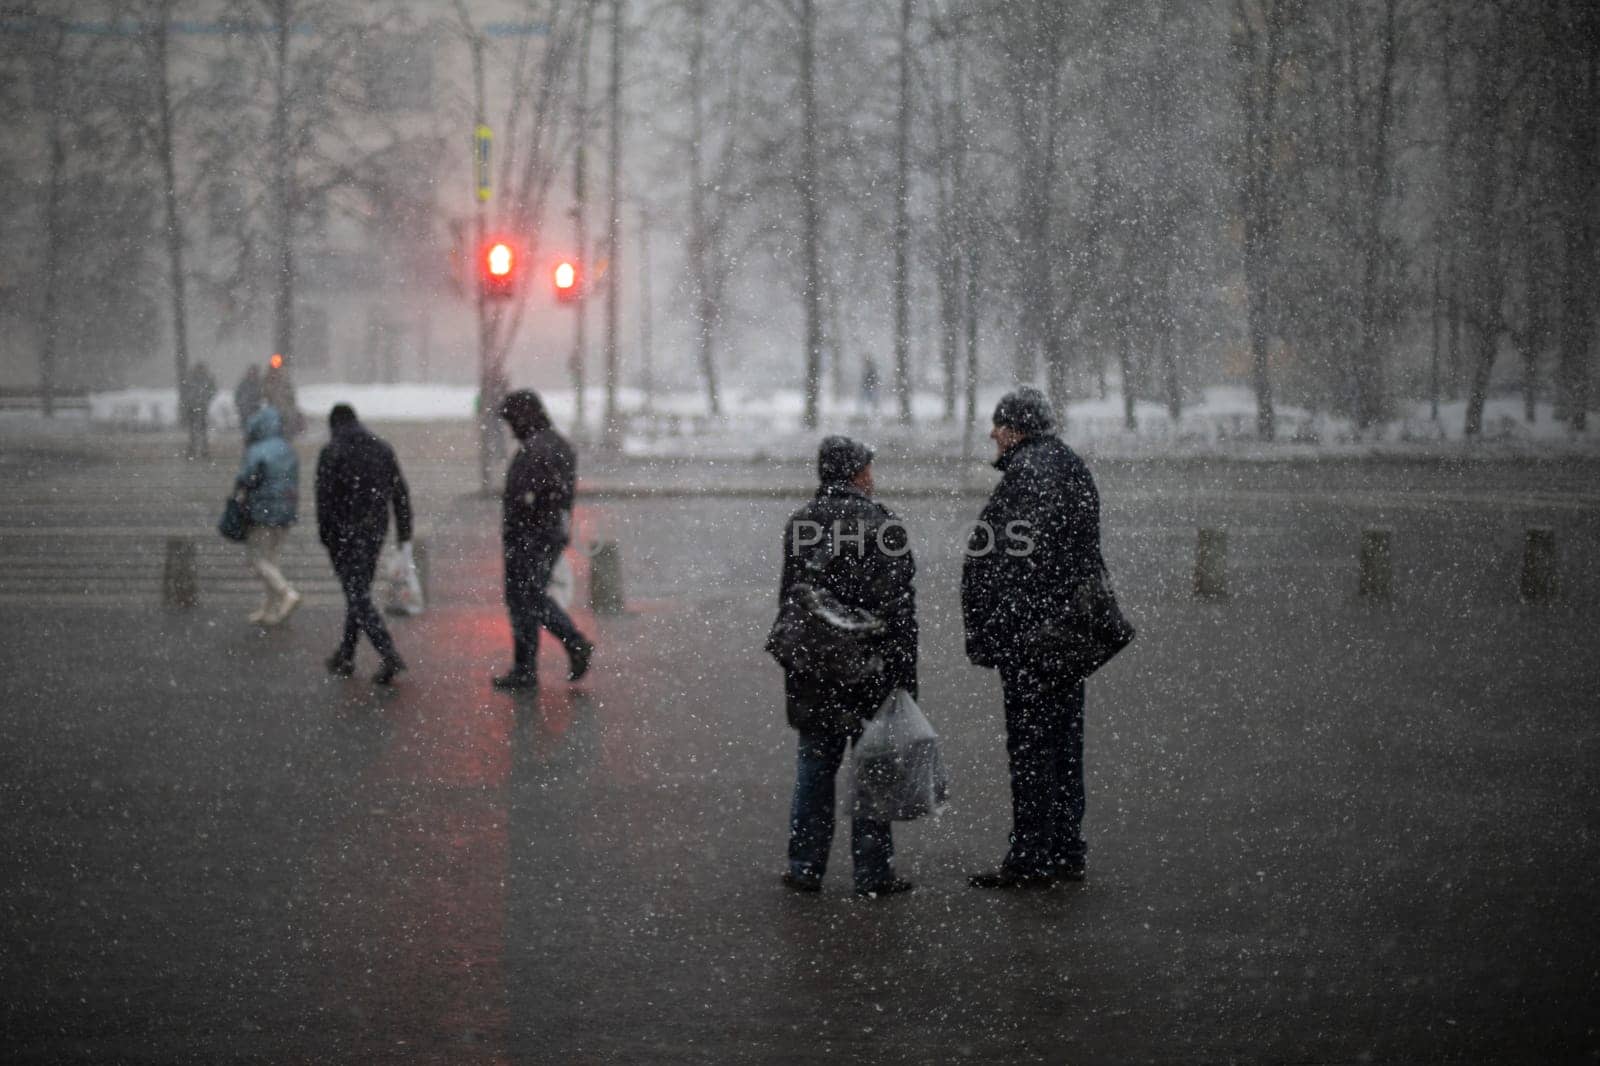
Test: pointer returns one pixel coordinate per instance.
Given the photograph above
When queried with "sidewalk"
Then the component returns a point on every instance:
(1319, 831)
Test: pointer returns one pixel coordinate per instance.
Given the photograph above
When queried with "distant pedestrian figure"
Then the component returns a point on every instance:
(195, 393)
(844, 546)
(269, 481)
(277, 389)
(869, 388)
(1038, 538)
(358, 482)
(247, 395)
(536, 520)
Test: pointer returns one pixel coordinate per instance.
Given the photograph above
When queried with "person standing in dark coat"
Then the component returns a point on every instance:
(247, 397)
(358, 481)
(536, 520)
(1037, 539)
(195, 392)
(856, 550)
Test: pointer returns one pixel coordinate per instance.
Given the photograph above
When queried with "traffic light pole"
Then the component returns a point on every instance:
(487, 376)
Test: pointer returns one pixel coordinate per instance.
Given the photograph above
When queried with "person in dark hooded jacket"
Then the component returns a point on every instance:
(358, 482)
(536, 522)
(855, 550)
(1037, 539)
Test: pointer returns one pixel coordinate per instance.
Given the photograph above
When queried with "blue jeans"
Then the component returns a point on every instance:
(811, 818)
(1044, 740)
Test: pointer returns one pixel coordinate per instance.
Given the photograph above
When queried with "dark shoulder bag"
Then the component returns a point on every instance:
(235, 523)
(1093, 631)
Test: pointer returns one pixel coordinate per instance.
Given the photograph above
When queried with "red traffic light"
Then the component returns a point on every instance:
(498, 268)
(566, 281)
(500, 259)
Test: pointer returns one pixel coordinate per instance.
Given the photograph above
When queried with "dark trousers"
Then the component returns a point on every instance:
(1044, 740)
(532, 609)
(355, 571)
(811, 817)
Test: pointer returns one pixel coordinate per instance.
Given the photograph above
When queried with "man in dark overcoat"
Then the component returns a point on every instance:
(1037, 539)
(856, 550)
(536, 520)
(358, 482)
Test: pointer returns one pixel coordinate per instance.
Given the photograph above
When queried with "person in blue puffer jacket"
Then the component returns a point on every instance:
(269, 487)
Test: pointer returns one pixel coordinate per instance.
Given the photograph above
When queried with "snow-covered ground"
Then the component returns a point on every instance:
(757, 422)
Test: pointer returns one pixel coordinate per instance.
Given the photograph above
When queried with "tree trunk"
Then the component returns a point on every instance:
(1371, 397)
(902, 225)
(1580, 272)
(174, 226)
(974, 260)
(704, 304)
(1488, 233)
(580, 226)
(810, 212)
(612, 433)
(284, 156)
(49, 321)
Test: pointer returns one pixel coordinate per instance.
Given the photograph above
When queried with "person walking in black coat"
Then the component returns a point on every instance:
(1037, 539)
(536, 520)
(358, 482)
(855, 551)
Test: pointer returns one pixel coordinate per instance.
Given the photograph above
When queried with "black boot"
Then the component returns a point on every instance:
(517, 680)
(578, 657)
(390, 669)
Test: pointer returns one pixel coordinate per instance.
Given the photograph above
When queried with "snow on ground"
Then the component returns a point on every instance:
(756, 423)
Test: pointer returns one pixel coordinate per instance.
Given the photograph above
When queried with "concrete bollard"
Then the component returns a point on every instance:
(1539, 565)
(605, 578)
(1211, 565)
(1377, 565)
(180, 587)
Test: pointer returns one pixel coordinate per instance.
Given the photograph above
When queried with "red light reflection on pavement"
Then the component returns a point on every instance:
(412, 901)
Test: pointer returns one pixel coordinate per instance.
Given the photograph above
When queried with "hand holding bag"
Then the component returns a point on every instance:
(235, 522)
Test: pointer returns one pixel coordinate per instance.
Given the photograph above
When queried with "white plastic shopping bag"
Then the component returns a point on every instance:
(402, 585)
(897, 769)
(560, 586)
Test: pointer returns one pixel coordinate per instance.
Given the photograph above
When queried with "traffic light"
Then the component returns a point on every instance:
(498, 267)
(569, 285)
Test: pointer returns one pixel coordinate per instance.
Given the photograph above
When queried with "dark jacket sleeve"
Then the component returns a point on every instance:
(400, 497)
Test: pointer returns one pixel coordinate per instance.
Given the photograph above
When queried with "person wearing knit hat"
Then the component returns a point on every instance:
(847, 547)
(1046, 502)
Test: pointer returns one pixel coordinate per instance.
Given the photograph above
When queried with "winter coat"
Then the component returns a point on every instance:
(540, 485)
(873, 574)
(270, 473)
(358, 480)
(247, 397)
(1041, 529)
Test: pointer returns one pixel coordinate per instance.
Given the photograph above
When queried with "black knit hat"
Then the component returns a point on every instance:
(1025, 410)
(839, 459)
(524, 411)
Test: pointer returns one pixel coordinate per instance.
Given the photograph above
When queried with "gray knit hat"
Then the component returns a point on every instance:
(1025, 410)
(839, 459)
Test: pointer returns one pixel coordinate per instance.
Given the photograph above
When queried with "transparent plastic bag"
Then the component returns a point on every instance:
(402, 583)
(897, 769)
(562, 582)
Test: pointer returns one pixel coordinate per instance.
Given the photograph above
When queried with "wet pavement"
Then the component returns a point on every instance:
(1320, 830)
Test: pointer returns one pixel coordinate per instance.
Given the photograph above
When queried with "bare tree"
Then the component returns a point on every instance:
(1263, 39)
